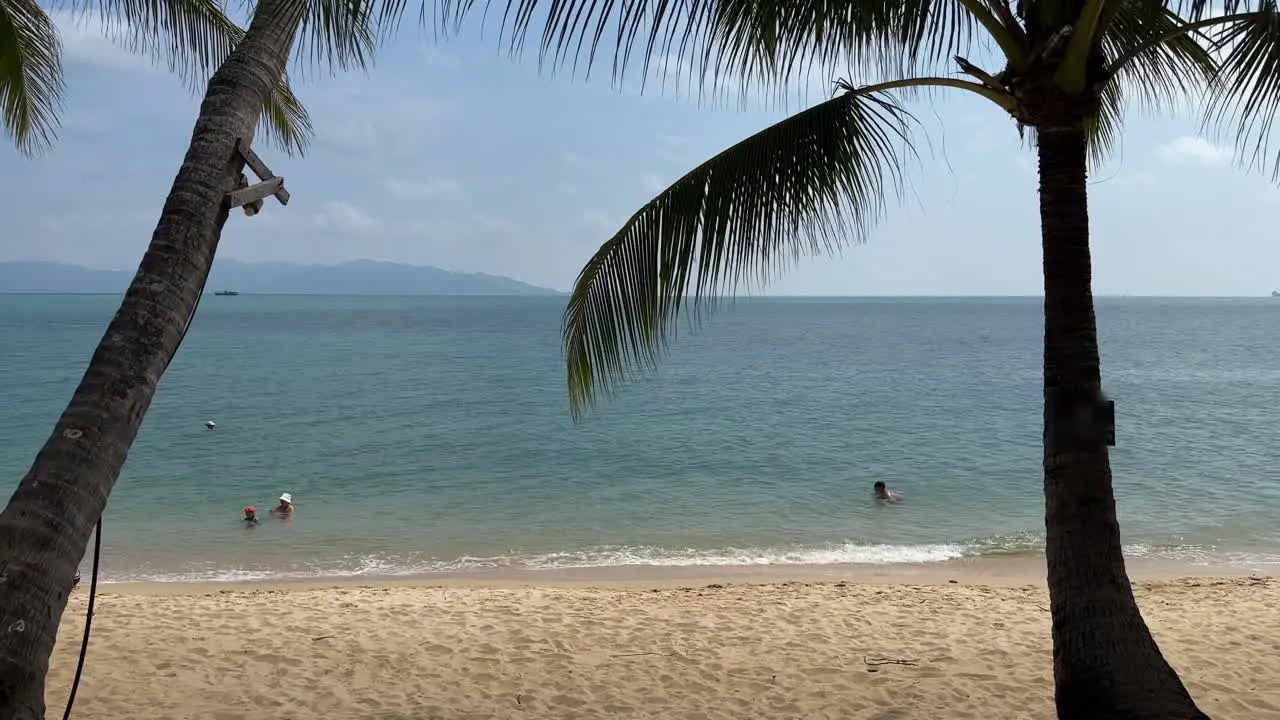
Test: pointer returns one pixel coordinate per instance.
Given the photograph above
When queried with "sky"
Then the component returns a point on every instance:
(450, 153)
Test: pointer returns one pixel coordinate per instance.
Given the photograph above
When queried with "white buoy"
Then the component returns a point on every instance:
(209, 424)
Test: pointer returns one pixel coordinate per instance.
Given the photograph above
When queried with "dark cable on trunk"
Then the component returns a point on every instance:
(88, 619)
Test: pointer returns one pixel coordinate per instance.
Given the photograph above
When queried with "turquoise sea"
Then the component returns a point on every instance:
(428, 434)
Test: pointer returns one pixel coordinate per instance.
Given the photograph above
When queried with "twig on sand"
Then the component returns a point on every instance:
(1043, 608)
(878, 661)
(638, 654)
(323, 637)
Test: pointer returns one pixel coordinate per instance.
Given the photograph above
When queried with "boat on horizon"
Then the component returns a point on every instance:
(1275, 293)
(226, 292)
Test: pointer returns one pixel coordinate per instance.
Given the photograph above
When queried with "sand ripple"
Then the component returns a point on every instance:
(790, 650)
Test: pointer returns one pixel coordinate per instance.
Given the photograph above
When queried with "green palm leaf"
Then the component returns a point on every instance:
(1104, 127)
(1162, 69)
(1245, 93)
(735, 43)
(337, 34)
(30, 75)
(806, 185)
(192, 38)
(704, 39)
(286, 122)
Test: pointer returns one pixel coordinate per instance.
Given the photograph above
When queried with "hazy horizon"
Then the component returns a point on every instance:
(358, 277)
(727, 299)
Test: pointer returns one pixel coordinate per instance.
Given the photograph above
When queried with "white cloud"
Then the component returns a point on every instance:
(496, 225)
(347, 218)
(436, 58)
(1269, 196)
(94, 123)
(85, 41)
(1193, 150)
(981, 140)
(599, 223)
(416, 108)
(55, 224)
(76, 223)
(1137, 179)
(677, 150)
(652, 183)
(353, 136)
(574, 160)
(393, 118)
(424, 189)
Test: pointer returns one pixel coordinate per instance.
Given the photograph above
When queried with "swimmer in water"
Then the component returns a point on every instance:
(286, 505)
(251, 515)
(883, 492)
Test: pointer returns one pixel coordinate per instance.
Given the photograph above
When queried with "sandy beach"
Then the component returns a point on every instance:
(791, 649)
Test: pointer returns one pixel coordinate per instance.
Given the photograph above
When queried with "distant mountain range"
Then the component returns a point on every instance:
(359, 277)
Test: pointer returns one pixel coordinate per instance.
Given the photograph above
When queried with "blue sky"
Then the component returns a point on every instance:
(451, 154)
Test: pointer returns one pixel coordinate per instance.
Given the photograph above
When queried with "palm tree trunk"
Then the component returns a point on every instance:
(46, 526)
(1105, 662)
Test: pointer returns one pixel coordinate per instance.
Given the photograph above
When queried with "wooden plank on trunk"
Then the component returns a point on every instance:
(260, 169)
(253, 161)
(256, 192)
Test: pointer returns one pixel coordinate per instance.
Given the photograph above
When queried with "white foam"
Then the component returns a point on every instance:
(598, 557)
(1202, 555)
(844, 554)
(848, 553)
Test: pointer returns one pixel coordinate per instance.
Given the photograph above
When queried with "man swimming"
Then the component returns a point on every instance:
(883, 492)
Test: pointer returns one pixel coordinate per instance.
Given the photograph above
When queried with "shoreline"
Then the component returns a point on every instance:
(1016, 570)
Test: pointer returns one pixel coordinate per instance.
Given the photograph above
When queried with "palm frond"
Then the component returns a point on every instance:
(30, 75)
(1104, 128)
(1244, 95)
(808, 184)
(1197, 10)
(1164, 69)
(867, 39)
(337, 34)
(729, 43)
(710, 43)
(1158, 66)
(192, 38)
(286, 122)
(933, 32)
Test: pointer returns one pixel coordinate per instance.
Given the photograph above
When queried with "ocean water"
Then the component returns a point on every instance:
(427, 435)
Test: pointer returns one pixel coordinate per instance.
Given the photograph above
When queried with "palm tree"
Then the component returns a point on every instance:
(819, 179)
(48, 521)
(191, 36)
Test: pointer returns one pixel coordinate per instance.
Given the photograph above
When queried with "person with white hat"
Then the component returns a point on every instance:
(286, 505)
